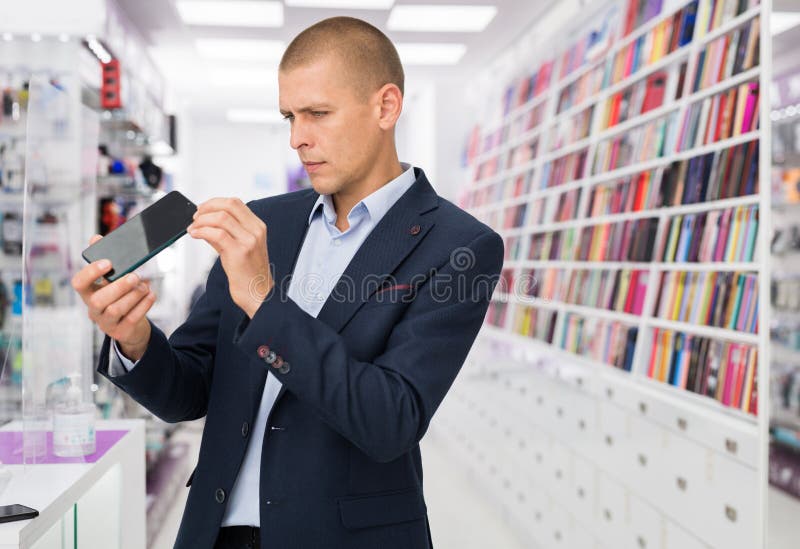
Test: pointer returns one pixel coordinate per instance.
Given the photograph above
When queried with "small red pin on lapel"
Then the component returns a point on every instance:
(414, 229)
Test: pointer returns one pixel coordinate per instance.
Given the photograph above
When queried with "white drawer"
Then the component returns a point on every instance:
(613, 436)
(732, 520)
(646, 528)
(645, 457)
(687, 492)
(560, 468)
(558, 527)
(611, 521)
(579, 536)
(584, 490)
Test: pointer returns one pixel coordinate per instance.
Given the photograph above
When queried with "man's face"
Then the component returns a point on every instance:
(334, 131)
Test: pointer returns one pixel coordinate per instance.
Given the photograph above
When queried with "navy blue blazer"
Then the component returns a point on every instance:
(340, 464)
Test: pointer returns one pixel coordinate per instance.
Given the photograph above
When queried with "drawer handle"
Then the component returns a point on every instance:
(609, 392)
(579, 381)
(581, 493)
(643, 460)
(558, 474)
(582, 425)
(538, 457)
(643, 409)
(607, 514)
(558, 535)
(537, 516)
(731, 445)
(682, 424)
(523, 390)
(730, 513)
(559, 412)
(539, 400)
(522, 444)
(520, 496)
(682, 483)
(641, 541)
(609, 440)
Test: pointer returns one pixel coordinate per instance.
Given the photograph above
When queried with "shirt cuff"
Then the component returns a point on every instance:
(118, 364)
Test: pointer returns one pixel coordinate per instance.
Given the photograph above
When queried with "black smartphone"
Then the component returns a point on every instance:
(144, 235)
(10, 513)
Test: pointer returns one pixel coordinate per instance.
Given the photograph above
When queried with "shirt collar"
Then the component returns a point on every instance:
(376, 204)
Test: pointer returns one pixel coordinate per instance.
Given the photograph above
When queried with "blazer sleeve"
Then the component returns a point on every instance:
(173, 377)
(384, 406)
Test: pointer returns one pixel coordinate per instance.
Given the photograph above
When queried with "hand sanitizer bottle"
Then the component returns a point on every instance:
(73, 423)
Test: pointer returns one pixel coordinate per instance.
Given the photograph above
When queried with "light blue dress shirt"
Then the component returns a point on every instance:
(323, 258)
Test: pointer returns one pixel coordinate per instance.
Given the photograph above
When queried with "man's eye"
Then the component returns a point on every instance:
(288, 117)
(318, 114)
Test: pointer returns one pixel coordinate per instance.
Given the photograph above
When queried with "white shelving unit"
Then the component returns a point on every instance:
(693, 444)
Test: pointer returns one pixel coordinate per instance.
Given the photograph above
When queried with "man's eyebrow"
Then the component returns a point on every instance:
(307, 109)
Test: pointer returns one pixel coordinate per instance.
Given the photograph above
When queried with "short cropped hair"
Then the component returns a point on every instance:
(369, 57)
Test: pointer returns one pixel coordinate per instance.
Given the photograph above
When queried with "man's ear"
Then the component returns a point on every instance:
(390, 102)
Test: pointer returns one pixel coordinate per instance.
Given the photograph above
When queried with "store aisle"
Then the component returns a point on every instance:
(461, 517)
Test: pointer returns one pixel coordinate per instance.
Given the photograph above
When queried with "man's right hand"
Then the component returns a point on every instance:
(118, 308)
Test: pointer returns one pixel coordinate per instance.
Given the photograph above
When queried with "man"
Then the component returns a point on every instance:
(316, 388)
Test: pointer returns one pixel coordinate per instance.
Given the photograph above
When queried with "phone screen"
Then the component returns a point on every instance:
(16, 512)
(144, 235)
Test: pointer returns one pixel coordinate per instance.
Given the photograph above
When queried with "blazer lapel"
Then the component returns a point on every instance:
(396, 235)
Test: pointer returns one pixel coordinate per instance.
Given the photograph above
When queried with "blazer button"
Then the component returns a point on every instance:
(262, 351)
(278, 362)
(219, 495)
(270, 358)
(285, 368)
(245, 429)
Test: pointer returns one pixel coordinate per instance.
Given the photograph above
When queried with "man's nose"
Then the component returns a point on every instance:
(299, 135)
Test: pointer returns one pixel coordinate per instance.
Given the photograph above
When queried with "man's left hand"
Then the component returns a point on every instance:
(240, 238)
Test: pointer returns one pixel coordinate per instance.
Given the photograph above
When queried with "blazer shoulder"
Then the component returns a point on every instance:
(458, 221)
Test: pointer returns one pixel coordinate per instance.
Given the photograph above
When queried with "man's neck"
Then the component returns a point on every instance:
(343, 203)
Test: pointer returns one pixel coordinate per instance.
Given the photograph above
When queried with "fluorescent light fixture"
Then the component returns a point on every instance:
(255, 116)
(63, 37)
(781, 21)
(241, 50)
(430, 54)
(7, 37)
(36, 37)
(244, 78)
(233, 13)
(440, 18)
(342, 4)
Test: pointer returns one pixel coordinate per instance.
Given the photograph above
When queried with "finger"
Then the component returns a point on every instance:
(94, 239)
(219, 239)
(121, 307)
(237, 209)
(223, 220)
(83, 280)
(138, 312)
(108, 294)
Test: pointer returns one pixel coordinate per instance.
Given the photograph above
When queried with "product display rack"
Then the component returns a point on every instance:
(553, 214)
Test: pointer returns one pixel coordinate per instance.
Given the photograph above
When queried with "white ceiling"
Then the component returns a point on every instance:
(188, 74)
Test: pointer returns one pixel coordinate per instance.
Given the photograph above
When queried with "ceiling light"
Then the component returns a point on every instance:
(244, 78)
(243, 50)
(255, 116)
(430, 54)
(233, 13)
(8, 37)
(342, 4)
(63, 37)
(444, 18)
(36, 37)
